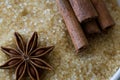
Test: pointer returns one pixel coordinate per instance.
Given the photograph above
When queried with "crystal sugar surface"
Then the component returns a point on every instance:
(98, 62)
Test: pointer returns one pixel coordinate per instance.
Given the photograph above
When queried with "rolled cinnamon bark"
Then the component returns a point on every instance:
(104, 18)
(86, 13)
(77, 35)
(84, 10)
(91, 27)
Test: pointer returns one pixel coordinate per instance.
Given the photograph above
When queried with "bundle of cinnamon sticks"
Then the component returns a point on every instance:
(84, 17)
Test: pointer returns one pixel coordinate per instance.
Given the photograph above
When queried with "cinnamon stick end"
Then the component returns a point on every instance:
(81, 49)
(91, 27)
(80, 43)
(107, 26)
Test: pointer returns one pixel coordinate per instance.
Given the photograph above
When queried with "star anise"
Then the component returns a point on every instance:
(27, 58)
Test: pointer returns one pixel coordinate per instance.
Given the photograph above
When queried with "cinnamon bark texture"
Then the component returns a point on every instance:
(104, 18)
(91, 27)
(83, 9)
(85, 13)
(77, 35)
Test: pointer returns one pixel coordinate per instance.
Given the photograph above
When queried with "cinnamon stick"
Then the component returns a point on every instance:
(86, 15)
(104, 18)
(91, 27)
(77, 35)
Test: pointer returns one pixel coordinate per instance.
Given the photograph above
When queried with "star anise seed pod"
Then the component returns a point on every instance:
(27, 57)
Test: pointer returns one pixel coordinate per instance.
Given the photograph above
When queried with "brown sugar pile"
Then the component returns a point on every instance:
(98, 62)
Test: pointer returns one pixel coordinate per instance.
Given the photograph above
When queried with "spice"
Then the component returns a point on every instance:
(91, 27)
(27, 58)
(72, 24)
(84, 10)
(104, 18)
(86, 15)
